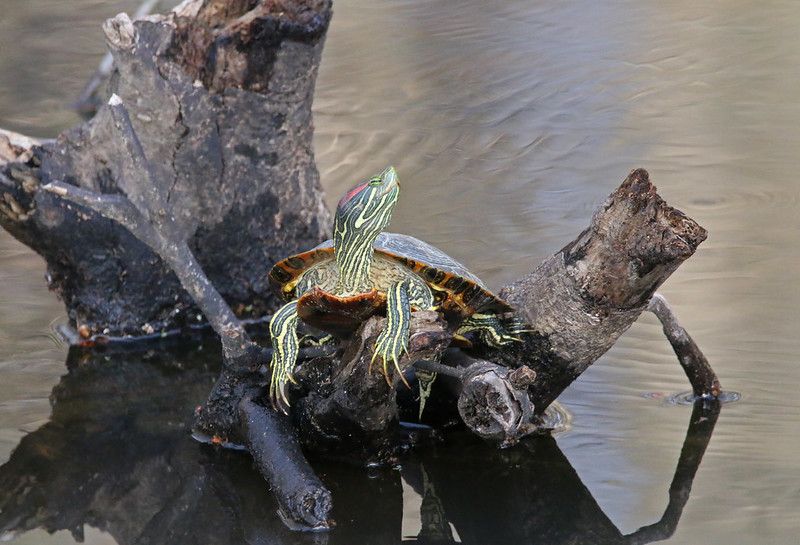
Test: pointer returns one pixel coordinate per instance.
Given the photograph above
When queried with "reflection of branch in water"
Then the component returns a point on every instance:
(531, 494)
(116, 456)
(701, 425)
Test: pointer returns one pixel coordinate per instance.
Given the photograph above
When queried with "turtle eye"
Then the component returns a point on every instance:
(375, 181)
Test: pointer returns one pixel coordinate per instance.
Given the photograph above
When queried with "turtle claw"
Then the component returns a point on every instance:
(387, 349)
(277, 396)
(278, 391)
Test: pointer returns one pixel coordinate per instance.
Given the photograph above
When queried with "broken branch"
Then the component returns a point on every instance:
(88, 102)
(699, 372)
(305, 502)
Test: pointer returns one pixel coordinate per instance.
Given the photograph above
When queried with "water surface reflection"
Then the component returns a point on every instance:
(116, 456)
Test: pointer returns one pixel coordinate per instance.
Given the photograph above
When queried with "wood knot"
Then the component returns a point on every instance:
(522, 378)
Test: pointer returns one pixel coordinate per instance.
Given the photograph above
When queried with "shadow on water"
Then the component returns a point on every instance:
(116, 455)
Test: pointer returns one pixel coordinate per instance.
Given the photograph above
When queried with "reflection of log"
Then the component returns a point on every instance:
(701, 425)
(116, 456)
(221, 99)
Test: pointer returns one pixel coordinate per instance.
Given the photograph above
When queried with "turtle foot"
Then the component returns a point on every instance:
(389, 347)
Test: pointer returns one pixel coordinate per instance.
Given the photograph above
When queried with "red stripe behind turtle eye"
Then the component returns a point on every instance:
(352, 193)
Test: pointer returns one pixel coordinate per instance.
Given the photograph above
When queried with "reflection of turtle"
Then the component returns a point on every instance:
(342, 282)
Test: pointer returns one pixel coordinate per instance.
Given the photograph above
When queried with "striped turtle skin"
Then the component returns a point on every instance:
(457, 290)
(362, 271)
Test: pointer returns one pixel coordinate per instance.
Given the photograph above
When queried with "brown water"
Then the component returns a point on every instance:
(509, 122)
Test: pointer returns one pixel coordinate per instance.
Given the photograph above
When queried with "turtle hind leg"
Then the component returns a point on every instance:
(312, 340)
(492, 330)
(392, 341)
(285, 347)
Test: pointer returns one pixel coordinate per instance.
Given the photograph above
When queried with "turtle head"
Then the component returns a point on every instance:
(361, 215)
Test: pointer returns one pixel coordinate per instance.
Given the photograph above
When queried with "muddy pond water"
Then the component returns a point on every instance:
(509, 122)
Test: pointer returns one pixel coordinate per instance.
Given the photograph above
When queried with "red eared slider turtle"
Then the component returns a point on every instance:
(363, 271)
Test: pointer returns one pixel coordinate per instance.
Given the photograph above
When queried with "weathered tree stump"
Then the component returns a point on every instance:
(220, 94)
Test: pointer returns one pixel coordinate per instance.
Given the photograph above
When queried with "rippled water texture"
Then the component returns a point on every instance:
(509, 122)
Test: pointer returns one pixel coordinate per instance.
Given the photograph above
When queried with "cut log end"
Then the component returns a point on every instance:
(494, 402)
(579, 301)
(635, 241)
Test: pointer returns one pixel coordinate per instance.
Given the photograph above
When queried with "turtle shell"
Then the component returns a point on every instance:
(457, 289)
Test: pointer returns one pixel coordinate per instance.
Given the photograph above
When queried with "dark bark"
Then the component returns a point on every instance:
(221, 100)
(270, 438)
(228, 414)
(347, 410)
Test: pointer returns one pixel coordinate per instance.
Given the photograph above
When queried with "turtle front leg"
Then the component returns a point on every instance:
(393, 339)
(285, 347)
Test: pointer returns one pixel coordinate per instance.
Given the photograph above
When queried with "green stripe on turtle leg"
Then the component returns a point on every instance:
(285, 347)
(493, 330)
(393, 339)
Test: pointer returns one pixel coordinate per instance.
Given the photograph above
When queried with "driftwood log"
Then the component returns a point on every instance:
(198, 175)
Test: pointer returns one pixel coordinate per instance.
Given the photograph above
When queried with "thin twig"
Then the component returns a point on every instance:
(440, 368)
(113, 207)
(698, 435)
(143, 214)
(148, 197)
